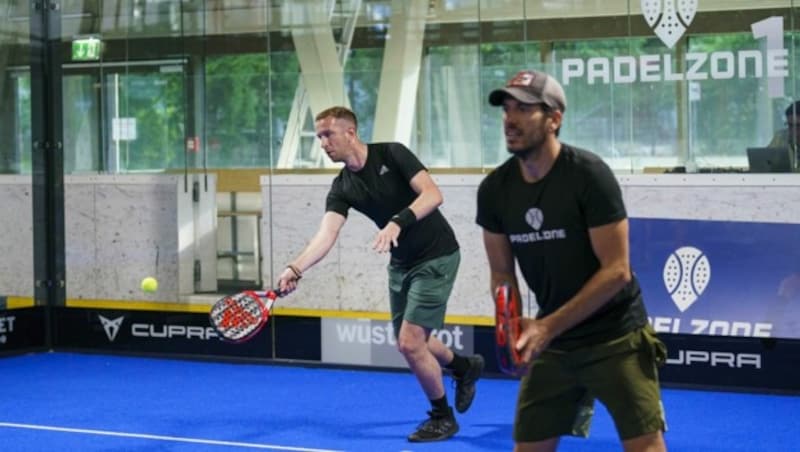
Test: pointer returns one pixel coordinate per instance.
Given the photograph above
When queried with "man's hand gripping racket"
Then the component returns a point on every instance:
(507, 328)
(237, 318)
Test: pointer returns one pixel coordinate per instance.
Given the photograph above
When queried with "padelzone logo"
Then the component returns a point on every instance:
(687, 273)
(667, 20)
(670, 20)
(534, 217)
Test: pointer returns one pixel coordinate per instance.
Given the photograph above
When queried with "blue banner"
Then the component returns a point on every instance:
(719, 278)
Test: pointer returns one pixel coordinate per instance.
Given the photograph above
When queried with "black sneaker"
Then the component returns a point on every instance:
(437, 427)
(465, 384)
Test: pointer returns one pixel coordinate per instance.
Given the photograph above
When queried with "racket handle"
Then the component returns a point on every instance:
(270, 294)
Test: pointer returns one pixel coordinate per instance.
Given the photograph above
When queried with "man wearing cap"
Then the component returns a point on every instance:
(557, 212)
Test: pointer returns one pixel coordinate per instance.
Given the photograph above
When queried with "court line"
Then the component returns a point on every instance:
(161, 437)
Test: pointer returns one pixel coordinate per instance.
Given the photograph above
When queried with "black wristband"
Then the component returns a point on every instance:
(404, 218)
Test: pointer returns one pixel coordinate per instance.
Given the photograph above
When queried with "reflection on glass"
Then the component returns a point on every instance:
(252, 73)
(16, 199)
(15, 130)
(81, 120)
(145, 120)
(237, 111)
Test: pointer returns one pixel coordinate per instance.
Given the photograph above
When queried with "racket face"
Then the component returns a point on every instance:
(239, 317)
(507, 330)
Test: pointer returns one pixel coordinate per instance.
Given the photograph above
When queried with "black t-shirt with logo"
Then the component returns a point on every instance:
(380, 190)
(547, 223)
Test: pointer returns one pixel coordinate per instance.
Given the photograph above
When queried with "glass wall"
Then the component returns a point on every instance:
(209, 84)
(15, 89)
(167, 86)
(16, 191)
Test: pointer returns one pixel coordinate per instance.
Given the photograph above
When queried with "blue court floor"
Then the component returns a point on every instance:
(77, 402)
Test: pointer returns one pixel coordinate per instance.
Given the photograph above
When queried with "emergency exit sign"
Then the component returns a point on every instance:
(86, 49)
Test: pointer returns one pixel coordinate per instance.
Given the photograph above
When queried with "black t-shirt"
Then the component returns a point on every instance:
(547, 223)
(380, 190)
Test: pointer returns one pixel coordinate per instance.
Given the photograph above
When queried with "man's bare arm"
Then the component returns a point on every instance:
(319, 246)
(610, 245)
(429, 197)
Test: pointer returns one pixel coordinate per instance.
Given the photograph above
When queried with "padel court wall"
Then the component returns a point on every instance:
(737, 328)
(695, 361)
(119, 229)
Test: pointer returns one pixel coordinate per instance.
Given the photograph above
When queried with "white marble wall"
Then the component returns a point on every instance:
(760, 198)
(16, 236)
(116, 226)
(118, 230)
(353, 278)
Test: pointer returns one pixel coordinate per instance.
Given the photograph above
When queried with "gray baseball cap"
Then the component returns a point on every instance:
(532, 87)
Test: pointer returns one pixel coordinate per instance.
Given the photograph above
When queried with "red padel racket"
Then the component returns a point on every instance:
(508, 311)
(237, 318)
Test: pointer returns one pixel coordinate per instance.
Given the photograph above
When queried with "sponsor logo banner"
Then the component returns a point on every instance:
(149, 331)
(6, 327)
(732, 362)
(21, 328)
(719, 278)
(372, 342)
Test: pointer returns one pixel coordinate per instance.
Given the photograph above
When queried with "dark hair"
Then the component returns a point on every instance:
(338, 113)
(793, 110)
(548, 111)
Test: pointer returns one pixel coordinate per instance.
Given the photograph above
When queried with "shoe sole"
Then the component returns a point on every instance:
(433, 440)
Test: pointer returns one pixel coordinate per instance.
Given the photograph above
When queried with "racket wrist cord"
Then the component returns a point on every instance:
(297, 273)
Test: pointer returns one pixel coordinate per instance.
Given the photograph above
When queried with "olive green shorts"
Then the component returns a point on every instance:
(556, 397)
(419, 294)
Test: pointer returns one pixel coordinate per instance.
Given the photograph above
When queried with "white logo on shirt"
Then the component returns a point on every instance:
(383, 170)
(535, 217)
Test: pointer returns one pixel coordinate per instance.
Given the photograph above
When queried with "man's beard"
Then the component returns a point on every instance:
(534, 147)
(522, 154)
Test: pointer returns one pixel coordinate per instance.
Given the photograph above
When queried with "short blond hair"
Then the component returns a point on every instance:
(338, 113)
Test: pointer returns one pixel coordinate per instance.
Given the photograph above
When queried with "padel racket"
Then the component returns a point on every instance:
(237, 318)
(508, 310)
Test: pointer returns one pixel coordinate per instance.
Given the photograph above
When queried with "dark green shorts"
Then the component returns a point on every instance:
(419, 294)
(556, 397)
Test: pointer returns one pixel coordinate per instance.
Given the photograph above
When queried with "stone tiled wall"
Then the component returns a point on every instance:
(16, 236)
(118, 230)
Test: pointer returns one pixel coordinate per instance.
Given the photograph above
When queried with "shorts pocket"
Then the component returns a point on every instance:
(657, 348)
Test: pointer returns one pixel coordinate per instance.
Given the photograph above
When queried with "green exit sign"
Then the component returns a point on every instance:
(86, 49)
